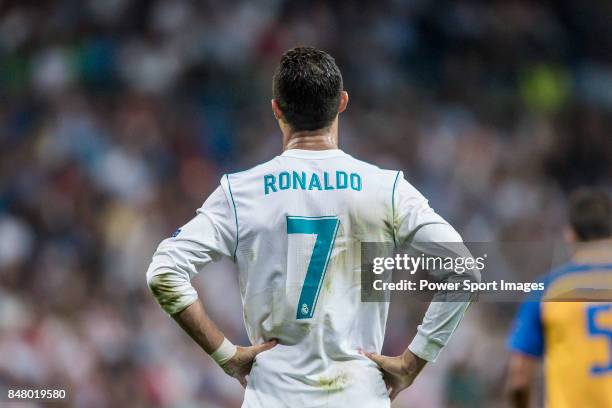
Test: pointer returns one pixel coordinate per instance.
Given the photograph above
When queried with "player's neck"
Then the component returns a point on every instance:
(311, 140)
(593, 251)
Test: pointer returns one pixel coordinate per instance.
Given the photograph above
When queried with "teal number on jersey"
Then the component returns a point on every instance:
(325, 229)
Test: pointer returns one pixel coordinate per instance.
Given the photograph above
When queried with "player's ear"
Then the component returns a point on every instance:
(278, 113)
(343, 101)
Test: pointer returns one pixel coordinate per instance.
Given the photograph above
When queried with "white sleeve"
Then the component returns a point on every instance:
(420, 227)
(208, 236)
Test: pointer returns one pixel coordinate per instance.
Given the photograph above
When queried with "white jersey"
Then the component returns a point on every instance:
(294, 226)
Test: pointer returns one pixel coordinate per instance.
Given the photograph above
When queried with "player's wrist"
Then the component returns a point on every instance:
(224, 353)
(411, 363)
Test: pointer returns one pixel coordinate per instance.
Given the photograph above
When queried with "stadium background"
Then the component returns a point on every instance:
(118, 117)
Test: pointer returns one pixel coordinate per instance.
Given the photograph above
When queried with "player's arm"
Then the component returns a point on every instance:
(521, 371)
(417, 225)
(235, 361)
(205, 239)
(526, 343)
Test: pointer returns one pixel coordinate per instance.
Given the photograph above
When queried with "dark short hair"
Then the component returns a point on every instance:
(307, 86)
(590, 214)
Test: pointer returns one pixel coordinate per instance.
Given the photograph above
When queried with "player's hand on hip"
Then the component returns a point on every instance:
(398, 372)
(240, 365)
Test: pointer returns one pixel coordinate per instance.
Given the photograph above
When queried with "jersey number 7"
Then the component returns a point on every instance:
(325, 229)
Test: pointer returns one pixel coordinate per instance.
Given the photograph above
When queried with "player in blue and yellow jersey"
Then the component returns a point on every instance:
(570, 324)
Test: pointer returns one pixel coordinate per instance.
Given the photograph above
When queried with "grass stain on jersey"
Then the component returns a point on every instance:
(335, 383)
(163, 287)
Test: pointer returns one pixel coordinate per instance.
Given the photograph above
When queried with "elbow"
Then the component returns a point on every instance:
(171, 291)
(158, 283)
(163, 291)
(162, 275)
(153, 282)
(152, 279)
(517, 383)
(161, 285)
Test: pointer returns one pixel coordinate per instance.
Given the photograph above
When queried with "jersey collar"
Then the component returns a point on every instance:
(312, 154)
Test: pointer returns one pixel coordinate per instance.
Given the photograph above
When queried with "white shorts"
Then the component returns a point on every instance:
(352, 383)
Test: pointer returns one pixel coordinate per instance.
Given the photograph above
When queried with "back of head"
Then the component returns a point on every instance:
(590, 214)
(307, 86)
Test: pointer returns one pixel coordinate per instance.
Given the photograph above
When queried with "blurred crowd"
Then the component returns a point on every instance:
(118, 118)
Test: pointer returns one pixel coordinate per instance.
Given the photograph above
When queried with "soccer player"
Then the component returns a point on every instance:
(293, 226)
(573, 333)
